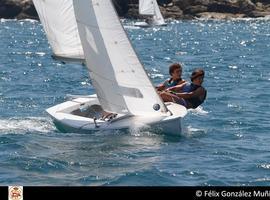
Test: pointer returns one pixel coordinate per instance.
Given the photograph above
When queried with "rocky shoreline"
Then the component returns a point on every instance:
(175, 9)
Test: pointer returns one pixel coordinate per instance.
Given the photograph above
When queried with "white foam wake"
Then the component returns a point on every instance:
(24, 125)
(198, 111)
(190, 131)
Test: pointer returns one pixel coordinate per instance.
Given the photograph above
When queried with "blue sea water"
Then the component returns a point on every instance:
(225, 142)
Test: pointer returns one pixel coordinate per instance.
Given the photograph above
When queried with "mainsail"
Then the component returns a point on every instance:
(58, 20)
(120, 81)
(150, 7)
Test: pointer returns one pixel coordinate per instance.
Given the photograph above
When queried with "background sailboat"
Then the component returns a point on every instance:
(124, 91)
(59, 23)
(150, 9)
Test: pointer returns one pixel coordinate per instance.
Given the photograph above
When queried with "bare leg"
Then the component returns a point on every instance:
(108, 115)
(169, 97)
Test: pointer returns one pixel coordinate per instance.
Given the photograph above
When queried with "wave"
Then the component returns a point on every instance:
(266, 18)
(28, 53)
(131, 27)
(20, 20)
(29, 20)
(198, 111)
(7, 20)
(26, 125)
(190, 131)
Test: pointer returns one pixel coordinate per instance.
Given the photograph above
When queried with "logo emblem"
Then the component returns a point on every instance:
(15, 193)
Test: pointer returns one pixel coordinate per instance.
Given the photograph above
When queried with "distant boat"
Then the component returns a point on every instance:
(126, 98)
(59, 23)
(150, 9)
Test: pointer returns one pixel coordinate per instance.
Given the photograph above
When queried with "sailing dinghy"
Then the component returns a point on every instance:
(59, 23)
(125, 97)
(150, 9)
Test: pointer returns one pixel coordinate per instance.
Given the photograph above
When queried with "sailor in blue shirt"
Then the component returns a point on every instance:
(190, 95)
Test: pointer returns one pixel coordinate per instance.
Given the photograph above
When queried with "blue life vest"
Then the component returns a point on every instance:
(194, 101)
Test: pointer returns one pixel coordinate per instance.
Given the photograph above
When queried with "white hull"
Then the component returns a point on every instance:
(142, 24)
(69, 117)
(66, 59)
(147, 25)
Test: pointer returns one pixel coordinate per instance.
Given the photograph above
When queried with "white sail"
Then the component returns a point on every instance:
(58, 20)
(150, 7)
(146, 7)
(120, 81)
(157, 18)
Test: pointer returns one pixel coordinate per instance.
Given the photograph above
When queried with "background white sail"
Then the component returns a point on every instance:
(146, 7)
(157, 18)
(58, 20)
(150, 7)
(121, 83)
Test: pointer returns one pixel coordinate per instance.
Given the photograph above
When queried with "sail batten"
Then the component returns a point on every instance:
(120, 81)
(59, 23)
